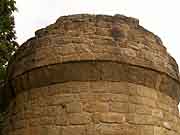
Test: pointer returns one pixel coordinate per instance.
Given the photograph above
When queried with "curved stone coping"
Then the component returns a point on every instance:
(96, 71)
(93, 37)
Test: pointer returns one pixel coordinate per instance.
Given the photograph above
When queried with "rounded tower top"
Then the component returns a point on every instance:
(92, 38)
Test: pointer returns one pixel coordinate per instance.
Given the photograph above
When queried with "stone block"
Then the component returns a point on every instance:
(143, 109)
(74, 107)
(96, 107)
(62, 119)
(147, 130)
(110, 117)
(71, 130)
(79, 118)
(119, 98)
(119, 107)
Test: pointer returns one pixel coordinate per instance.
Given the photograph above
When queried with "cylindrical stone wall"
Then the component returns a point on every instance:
(93, 75)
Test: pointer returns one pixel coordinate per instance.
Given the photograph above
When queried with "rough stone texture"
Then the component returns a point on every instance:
(92, 75)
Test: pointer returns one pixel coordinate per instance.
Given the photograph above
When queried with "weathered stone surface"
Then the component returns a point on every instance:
(68, 111)
(92, 75)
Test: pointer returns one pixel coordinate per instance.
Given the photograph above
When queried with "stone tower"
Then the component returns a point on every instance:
(92, 75)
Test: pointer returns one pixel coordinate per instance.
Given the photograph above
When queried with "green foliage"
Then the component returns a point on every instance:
(7, 40)
(7, 34)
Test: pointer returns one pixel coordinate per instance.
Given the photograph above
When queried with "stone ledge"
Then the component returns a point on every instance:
(96, 71)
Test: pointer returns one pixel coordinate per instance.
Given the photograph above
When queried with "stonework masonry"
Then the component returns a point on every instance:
(92, 75)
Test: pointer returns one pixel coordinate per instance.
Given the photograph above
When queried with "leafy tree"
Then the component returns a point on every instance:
(7, 34)
(7, 39)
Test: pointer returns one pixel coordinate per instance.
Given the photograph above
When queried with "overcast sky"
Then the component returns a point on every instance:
(162, 17)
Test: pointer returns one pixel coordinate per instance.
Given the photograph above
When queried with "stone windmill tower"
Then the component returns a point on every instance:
(93, 75)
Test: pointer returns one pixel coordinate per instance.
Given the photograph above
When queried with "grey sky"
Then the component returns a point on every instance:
(159, 16)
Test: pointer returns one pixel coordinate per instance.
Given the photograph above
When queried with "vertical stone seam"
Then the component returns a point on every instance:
(158, 82)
